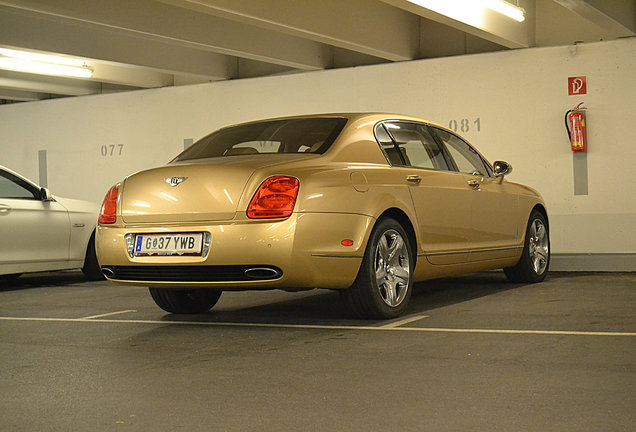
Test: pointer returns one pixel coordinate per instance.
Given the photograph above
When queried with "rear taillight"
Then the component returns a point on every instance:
(275, 198)
(108, 213)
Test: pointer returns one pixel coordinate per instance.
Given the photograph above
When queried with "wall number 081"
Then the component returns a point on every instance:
(111, 150)
(465, 125)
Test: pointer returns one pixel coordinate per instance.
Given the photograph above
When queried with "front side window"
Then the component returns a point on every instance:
(302, 135)
(12, 187)
(465, 157)
(414, 146)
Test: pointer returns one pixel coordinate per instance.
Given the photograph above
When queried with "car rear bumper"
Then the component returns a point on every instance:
(303, 251)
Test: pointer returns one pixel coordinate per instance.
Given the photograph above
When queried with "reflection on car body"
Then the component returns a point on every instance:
(362, 203)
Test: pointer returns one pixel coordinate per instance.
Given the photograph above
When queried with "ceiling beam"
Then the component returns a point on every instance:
(20, 95)
(488, 25)
(369, 27)
(21, 29)
(171, 25)
(129, 76)
(46, 84)
(616, 18)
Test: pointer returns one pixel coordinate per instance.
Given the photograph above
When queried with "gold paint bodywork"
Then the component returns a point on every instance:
(455, 228)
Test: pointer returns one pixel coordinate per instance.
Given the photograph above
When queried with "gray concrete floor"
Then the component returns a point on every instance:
(473, 354)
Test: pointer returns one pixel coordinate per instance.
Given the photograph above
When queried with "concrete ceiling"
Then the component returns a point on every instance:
(156, 43)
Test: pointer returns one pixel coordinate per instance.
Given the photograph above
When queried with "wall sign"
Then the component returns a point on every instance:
(577, 85)
(465, 125)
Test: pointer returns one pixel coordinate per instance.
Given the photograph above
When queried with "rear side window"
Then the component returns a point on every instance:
(386, 143)
(304, 135)
(411, 144)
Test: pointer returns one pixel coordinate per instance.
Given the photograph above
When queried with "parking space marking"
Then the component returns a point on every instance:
(329, 327)
(403, 321)
(108, 314)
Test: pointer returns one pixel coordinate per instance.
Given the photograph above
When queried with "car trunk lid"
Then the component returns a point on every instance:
(202, 190)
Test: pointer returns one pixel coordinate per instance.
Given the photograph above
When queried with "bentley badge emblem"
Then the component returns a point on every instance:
(174, 181)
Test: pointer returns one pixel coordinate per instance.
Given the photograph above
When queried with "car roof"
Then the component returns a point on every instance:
(364, 116)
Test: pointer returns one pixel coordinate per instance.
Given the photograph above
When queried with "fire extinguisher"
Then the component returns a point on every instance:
(575, 125)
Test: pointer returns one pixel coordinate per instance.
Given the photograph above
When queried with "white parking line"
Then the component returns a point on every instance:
(403, 321)
(328, 327)
(108, 314)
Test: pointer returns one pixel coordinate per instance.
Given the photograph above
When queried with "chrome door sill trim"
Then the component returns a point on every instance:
(335, 256)
(470, 251)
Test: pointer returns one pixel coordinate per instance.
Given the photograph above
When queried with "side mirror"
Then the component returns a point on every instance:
(45, 195)
(501, 168)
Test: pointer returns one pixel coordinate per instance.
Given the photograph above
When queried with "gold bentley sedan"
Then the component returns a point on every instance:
(366, 204)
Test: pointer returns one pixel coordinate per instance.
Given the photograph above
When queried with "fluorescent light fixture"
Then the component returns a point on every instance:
(43, 58)
(471, 11)
(44, 64)
(507, 9)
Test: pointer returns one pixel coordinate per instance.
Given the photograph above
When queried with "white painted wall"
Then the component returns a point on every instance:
(519, 97)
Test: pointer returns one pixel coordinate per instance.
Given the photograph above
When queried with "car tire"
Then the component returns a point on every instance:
(535, 259)
(384, 283)
(185, 301)
(91, 268)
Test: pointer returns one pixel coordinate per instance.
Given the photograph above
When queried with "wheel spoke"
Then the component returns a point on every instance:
(540, 232)
(541, 253)
(394, 248)
(533, 230)
(401, 274)
(391, 293)
(380, 275)
(383, 249)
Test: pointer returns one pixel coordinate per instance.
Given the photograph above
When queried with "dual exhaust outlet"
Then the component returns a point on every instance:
(262, 273)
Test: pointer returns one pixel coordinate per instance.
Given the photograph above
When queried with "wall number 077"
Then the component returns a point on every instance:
(111, 150)
(465, 125)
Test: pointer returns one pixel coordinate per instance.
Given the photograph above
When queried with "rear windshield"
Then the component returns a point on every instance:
(306, 135)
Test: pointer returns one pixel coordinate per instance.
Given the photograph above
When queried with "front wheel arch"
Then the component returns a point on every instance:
(541, 209)
(525, 270)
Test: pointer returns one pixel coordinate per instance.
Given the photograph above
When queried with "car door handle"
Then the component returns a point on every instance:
(4, 209)
(413, 179)
(474, 183)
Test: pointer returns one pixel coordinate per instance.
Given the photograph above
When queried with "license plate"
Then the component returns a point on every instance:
(181, 244)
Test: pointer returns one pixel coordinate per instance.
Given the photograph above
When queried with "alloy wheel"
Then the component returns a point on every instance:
(538, 247)
(392, 268)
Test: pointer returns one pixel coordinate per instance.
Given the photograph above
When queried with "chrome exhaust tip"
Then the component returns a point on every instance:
(263, 273)
(108, 272)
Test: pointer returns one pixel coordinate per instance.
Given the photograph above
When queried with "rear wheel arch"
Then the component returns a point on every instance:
(91, 268)
(383, 286)
(404, 220)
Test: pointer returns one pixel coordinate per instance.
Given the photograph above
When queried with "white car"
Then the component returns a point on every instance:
(42, 232)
